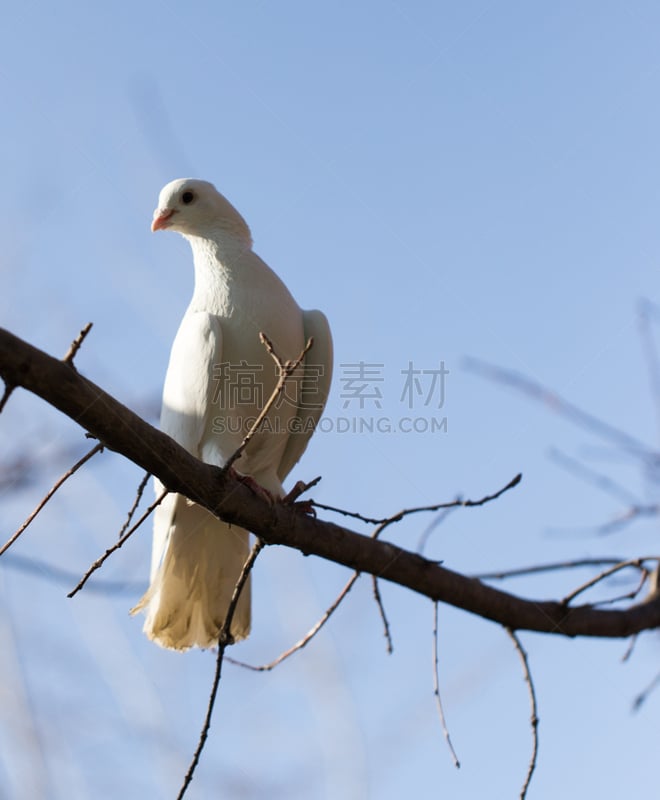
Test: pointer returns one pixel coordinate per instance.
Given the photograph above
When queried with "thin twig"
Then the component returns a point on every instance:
(75, 344)
(96, 449)
(435, 523)
(628, 516)
(124, 432)
(224, 640)
(9, 388)
(643, 696)
(307, 637)
(381, 524)
(631, 595)
(286, 368)
(383, 615)
(136, 503)
(458, 503)
(638, 563)
(299, 489)
(321, 622)
(352, 514)
(436, 689)
(65, 577)
(225, 636)
(100, 561)
(606, 484)
(534, 717)
(629, 650)
(24, 469)
(324, 618)
(551, 567)
(597, 479)
(561, 406)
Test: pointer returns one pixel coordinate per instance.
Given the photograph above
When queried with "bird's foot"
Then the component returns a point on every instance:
(253, 486)
(306, 506)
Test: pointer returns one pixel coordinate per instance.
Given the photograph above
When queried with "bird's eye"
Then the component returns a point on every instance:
(187, 198)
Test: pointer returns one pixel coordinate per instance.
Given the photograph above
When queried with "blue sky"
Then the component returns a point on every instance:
(444, 180)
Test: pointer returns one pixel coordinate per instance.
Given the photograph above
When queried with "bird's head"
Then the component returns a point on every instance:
(193, 207)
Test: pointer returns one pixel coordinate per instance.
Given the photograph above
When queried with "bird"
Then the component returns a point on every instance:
(218, 379)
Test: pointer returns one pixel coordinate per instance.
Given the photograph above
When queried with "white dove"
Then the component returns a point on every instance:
(218, 380)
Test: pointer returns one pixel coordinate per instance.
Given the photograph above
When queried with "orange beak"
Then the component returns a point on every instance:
(161, 218)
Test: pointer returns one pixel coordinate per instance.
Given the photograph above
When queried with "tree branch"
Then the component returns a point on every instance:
(307, 638)
(76, 344)
(436, 690)
(222, 494)
(119, 543)
(224, 640)
(96, 449)
(286, 369)
(534, 715)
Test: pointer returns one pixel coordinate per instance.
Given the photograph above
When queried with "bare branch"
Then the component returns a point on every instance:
(286, 370)
(383, 615)
(628, 516)
(604, 483)
(632, 594)
(100, 561)
(225, 637)
(436, 689)
(597, 479)
(224, 640)
(96, 449)
(223, 495)
(554, 566)
(534, 718)
(299, 489)
(136, 503)
(9, 388)
(307, 637)
(45, 570)
(638, 563)
(561, 406)
(352, 514)
(458, 503)
(643, 696)
(76, 343)
(68, 359)
(311, 633)
(435, 523)
(329, 612)
(631, 647)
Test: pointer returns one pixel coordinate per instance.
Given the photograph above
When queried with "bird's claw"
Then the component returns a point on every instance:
(254, 487)
(305, 506)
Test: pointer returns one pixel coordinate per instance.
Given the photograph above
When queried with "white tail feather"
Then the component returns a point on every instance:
(187, 601)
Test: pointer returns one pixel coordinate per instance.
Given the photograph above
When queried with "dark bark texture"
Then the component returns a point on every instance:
(118, 428)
